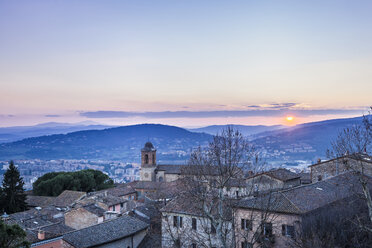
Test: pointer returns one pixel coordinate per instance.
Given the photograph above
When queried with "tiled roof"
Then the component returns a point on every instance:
(170, 169)
(119, 190)
(306, 198)
(357, 156)
(189, 205)
(67, 198)
(282, 174)
(94, 209)
(105, 232)
(39, 201)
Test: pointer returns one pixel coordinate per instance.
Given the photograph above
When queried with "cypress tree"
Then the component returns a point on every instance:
(13, 194)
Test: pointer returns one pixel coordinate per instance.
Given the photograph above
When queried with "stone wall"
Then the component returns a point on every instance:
(80, 218)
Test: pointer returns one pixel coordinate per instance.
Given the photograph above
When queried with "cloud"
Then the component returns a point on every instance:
(220, 113)
(282, 105)
(52, 115)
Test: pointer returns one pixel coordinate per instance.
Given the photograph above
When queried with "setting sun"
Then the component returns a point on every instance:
(289, 118)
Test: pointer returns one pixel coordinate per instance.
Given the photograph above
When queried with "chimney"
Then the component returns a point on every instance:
(41, 235)
(319, 160)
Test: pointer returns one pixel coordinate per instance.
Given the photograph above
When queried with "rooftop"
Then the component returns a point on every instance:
(306, 198)
(105, 232)
(67, 198)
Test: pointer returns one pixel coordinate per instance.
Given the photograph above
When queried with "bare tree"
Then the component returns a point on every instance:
(210, 174)
(333, 226)
(356, 142)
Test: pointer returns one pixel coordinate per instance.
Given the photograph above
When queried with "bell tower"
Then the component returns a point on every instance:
(148, 162)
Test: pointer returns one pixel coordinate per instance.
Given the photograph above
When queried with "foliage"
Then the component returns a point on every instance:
(13, 197)
(54, 183)
(12, 236)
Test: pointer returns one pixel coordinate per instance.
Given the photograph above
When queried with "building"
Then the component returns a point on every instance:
(333, 167)
(276, 218)
(152, 172)
(273, 180)
(125, 231)
(184, 224)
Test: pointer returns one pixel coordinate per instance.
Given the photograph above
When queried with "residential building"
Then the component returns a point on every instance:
(333, 167)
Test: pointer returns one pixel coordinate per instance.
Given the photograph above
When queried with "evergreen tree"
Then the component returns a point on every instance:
(13, 196)
(12, 236)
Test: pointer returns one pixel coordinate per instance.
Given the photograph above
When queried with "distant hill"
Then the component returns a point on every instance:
(244, 129)
(302, 142)
(122, 143)
(305, 141)
(9, 134)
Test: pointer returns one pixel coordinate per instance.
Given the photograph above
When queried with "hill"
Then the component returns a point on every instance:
(244, 129)
(307, 141)
(120, 143)
(10, 134)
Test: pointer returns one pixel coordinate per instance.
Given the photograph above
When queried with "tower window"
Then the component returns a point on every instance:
(146, 158)
(153, 158)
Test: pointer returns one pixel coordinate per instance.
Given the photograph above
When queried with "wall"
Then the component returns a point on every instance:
(187, 235)
(171, 177)
(277, 221)
(337, 166)
(50, 244)
(147, 174)
(264, 183)
(80, 218)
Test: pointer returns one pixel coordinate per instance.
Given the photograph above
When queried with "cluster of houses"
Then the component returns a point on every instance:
(155, 212)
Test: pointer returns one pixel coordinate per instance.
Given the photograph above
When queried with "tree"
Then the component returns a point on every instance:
(208, 178)
(54, 183)
(13, 196)
(356, 142)
(12, 236)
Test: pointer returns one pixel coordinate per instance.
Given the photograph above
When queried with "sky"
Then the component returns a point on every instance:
(186, 63)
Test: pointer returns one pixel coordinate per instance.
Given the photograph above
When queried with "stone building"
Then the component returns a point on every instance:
(273, 180)
(125, 231)
(152, 172)
(333, 167)
(185, 225)
(85, 216)
(276, 218)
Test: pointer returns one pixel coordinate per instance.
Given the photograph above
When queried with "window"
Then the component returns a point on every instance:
(177, 221)
(237, 194)
(320, 178)
(267, 229)
(153, 158)
(255, 187)
(246, 224)
(245, 244)
(121, 205)
(146, 159)
(193, 245)
(213, 229)
(178, 243)
(113, 208)
(194, 226)
(288, 231)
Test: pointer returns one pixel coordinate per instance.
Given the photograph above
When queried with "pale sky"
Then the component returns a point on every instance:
(251, 62)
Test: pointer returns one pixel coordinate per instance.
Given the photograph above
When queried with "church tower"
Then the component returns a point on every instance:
(148, 162)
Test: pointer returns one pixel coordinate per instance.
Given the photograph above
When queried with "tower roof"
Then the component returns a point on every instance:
(148, 147)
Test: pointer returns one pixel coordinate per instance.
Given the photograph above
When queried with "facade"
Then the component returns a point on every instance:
(273, 180)
(152, 172)
(334, 167)
(184, 225)
(84, 216)
(275, 218)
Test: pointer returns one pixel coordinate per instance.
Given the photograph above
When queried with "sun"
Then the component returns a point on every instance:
(289, 118)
